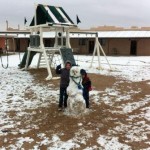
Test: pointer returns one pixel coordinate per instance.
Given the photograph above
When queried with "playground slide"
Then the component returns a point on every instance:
(23, 62)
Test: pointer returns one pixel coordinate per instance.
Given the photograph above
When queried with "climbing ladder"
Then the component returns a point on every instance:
(65, 54)
(53, 59)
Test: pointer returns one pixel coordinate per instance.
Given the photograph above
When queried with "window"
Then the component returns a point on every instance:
(64, 41)
(59, 41)
(48, 43)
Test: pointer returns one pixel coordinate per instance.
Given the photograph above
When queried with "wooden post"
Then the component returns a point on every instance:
(14, 44)
(38, 64)
(62, 40)
(27, 60)
(97, 49)
(68, 39)
(56, 39)
(94, 52)
(98, 52)
(105, 55)
(35, 19)
(45, 55)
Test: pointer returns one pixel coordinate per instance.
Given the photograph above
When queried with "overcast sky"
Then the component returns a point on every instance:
(92, 13)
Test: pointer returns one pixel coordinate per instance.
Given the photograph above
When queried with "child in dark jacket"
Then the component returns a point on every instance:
(64, 82)
(86, 82)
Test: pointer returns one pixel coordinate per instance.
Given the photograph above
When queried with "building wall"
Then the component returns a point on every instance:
(18, 44)
(118, 47)
(75, 45)
(110, 46)
(23, 44)
(2, 42)
(143, 47)
(80, 46)
(11, 44)
(105, 45)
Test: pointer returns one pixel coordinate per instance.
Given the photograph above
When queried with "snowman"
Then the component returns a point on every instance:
(76, 103)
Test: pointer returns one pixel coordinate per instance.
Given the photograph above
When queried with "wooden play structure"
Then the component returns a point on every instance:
(48, 19)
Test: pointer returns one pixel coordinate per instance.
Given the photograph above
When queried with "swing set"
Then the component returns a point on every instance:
(54, 19)
(5, 51)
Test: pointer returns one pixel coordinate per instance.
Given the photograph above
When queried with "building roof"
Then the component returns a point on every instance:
(101, 34)
(115, 28)
(51, 15)
(124, 34)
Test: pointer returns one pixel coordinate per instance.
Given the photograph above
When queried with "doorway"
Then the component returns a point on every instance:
(17, 44)
(133, 48)
(91, 46)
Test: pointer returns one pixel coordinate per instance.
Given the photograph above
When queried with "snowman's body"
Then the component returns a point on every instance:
(76, 102)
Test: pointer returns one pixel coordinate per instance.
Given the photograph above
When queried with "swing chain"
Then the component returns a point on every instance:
(5, 67)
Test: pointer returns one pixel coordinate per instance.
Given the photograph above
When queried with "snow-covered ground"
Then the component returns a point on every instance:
(127, 67)
(130, 68)
(14, 84)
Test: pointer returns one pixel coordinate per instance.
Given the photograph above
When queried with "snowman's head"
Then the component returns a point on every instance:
(75, 72)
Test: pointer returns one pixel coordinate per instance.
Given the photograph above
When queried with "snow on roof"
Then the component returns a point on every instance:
(124, 34)
(101, 34)
(8, 35)
(105, 34)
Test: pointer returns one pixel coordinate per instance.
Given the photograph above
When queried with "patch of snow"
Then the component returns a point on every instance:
(82, 135)
(135, 132)
(147, 115)
(130, 68)
(80, 124)
(22, 140)
(45, 141)
(22, 131)
(41, 135)
(111, 92)
(57, 144)
(95, 96)
(111, 143)
(91, 148)
(128, 108)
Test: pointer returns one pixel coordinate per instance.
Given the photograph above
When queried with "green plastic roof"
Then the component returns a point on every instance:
(52, 15)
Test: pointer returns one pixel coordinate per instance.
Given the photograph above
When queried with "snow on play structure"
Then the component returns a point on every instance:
(76, 103)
